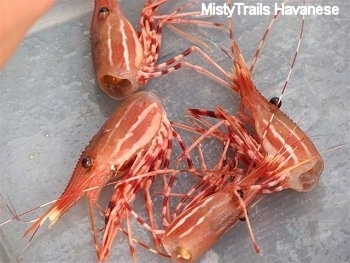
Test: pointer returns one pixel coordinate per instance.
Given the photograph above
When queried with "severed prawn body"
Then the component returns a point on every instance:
(281, 157)
(118, 149)
(123, 59)
(135, 140)
(149, 159)
(117, 50)
(296, 157)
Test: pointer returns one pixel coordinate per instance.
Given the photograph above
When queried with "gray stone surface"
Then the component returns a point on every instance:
(51, 107)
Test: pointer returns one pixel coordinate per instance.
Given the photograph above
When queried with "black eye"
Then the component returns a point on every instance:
(242, 218)
(103, 13)
(275, 100)
(86, 162)
(104, 10)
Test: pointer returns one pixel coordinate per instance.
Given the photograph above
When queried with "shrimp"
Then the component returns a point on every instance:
(151, 159)
(200, 225)
(277, 134)
(195, 230)
(211, 213)
(114, 151)
(281, 157)
(123, 59)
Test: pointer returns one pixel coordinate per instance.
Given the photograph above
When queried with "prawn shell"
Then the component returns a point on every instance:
(197, 229)
(130, 128)
(117, 52)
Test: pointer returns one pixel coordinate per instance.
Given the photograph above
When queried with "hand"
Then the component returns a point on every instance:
(17, 16)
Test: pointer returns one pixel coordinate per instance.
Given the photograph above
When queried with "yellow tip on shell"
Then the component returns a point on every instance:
(53, 217)
(183, 253)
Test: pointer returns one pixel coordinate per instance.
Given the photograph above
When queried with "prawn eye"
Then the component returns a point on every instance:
(103, 13)
(86, 162)
(242, 218)
(275, 100)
